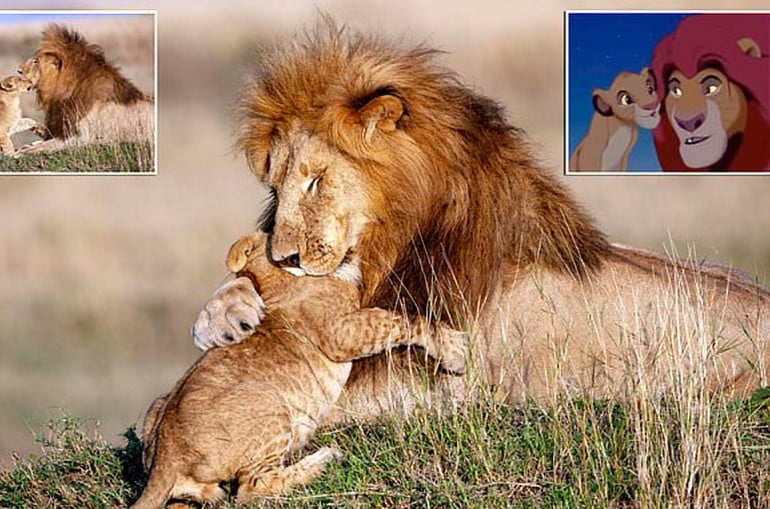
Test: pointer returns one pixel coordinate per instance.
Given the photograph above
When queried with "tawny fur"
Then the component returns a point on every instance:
(464, 223)
(241, 409)
(84, 97)
(11, 119)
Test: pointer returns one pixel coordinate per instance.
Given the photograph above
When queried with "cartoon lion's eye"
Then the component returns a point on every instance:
(675, 88)
(625, 98)
(710, 85)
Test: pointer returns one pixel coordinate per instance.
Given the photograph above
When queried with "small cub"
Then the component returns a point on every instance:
(240, 409)
(11, 120)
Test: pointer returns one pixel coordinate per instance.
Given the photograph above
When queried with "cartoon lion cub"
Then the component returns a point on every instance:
(631, 102)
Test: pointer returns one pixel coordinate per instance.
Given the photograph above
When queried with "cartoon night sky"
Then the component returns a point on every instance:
(600, 46)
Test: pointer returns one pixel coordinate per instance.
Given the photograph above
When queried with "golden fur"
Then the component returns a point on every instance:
(241, 409)
(462, 224)
(84, 97)
(11, 119)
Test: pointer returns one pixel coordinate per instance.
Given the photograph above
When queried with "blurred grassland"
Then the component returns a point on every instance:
(102, 277)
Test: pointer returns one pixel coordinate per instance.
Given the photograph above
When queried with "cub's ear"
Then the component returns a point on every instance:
(749, 47)
(381, 113)
(646, 71)
(602, 104)
(8, 85)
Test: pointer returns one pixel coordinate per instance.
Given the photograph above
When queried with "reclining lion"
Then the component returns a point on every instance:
(452, 216)
(239, 410)
(84, 97)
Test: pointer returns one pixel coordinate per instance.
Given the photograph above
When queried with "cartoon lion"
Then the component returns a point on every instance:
(714, 72)
(455, 220)
(85, 98)
(631, 102)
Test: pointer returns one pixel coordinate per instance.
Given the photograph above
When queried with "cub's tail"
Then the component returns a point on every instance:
(157, 491)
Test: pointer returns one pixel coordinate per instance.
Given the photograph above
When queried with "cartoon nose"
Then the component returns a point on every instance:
(691, 124)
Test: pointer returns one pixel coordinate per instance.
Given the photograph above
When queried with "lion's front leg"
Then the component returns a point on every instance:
(29, 124)
(231, 315)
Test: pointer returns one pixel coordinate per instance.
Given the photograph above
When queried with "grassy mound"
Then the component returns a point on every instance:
(575, 453)
(111, 158)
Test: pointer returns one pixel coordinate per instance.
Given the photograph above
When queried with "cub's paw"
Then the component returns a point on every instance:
(231, 315)
(451, 348)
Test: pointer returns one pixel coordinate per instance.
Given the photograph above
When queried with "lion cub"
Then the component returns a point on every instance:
(11, 120)
(239, 410)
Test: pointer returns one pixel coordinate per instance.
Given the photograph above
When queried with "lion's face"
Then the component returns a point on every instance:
(322, 206)
(705, 111)
(38, 66)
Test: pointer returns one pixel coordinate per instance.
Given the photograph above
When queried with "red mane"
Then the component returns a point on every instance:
(708, 39)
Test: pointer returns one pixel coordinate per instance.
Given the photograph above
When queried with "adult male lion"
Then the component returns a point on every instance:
(84, 97)
(714, 72)
(455, 219)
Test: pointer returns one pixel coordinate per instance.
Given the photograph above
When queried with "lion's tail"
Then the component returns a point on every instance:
(158, 489)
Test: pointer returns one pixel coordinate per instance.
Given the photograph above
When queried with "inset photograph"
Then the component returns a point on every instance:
(652, 92)
(77, 92)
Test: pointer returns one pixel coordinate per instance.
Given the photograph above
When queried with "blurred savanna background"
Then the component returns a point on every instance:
(103, 276)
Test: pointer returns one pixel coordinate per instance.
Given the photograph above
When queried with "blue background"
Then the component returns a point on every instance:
(601, 46)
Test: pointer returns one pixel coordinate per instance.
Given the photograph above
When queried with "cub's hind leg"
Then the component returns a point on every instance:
(282, 479)
(6, 145)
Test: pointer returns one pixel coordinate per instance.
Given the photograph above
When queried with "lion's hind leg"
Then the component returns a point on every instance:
(282, 479)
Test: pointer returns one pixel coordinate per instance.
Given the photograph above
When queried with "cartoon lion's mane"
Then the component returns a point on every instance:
(456, 190)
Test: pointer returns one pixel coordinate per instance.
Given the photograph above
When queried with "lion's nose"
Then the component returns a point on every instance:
(691, 124)
(292, 261)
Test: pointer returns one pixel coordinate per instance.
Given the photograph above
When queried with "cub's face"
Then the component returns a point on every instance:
(15, 84)
(631, 98)
(321, 207)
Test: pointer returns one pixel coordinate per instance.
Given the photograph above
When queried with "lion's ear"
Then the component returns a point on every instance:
(601, 103)
(381, 113)
(54, 59)
(749, 47)
(7, 85)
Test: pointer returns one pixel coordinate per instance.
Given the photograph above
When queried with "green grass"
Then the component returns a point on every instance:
(576, 453)
(113, 158)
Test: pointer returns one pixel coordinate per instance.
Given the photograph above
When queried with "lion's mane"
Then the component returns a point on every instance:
(85, 79)
(456, 190)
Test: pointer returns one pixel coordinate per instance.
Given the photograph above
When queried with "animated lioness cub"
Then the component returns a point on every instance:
(239, 410)
(11, 120)
(630, 103)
